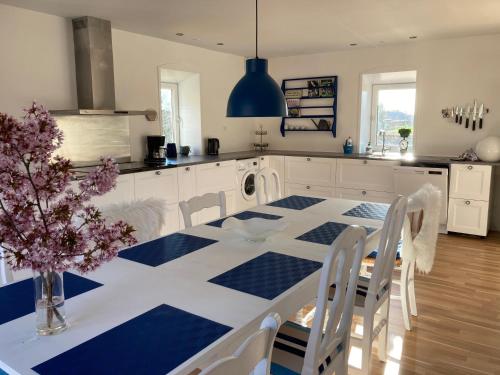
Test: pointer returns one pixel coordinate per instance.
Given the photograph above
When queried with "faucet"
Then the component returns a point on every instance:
(382, 133)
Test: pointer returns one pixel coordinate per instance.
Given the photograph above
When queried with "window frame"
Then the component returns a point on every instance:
(174, 87)
(376, 88)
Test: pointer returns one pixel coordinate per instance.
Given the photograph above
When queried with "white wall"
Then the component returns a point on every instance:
(449, 72)
(38, 63)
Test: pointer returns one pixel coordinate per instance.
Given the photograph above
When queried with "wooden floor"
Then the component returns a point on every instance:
(457, 330)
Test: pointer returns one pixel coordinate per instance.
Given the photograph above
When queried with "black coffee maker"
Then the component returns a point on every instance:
(156, 150)
(213, 146)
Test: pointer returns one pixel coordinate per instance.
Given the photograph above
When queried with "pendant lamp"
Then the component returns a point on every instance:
(256, 94)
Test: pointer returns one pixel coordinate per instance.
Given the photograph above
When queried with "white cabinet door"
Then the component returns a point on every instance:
(376, 175)
(308, 190)
(468, 216)
(277, 162)
(310, 171)
(470, 181)
(122, 193)
(263, 162)
(365, 195)
(214, 177)
(187, 190)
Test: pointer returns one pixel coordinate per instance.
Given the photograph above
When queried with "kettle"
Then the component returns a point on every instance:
(213, 146)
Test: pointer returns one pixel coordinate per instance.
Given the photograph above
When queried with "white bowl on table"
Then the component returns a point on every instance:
(255, 229)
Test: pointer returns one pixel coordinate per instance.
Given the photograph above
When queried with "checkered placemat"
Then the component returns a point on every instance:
(376, 211)
(268, 275)
(155, 342)
(245, 215)
(165, 249)
(327, 233)
(296, 202)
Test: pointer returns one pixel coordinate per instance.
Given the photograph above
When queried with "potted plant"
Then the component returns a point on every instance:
(404, 133)
(45, 224)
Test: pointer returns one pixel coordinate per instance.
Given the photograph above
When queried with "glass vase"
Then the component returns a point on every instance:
(49, 302)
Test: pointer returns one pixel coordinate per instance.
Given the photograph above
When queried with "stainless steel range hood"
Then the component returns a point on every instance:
(94, 71)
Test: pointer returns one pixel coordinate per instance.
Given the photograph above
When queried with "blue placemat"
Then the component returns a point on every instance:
(245, 215)
(374, 253)
(17, 299)
(165, 249)
(268, 275)
(155, 342)
(296, 202)
(326, 233)
(376, 211)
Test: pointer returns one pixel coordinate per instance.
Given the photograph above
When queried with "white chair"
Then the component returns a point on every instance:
(373, 294)
(196, 204)
(325, 348)
(6, 275)
(253, 356)
(148, 217)
(267, 185)
(420, 233)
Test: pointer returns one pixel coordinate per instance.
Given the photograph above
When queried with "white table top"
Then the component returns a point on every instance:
(131, 288)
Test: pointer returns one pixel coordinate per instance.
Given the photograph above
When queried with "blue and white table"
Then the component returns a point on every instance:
(210, 287)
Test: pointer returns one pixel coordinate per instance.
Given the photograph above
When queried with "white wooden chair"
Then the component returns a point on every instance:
(253, 356)
(196, 204)
(325, 348)
(267, 185)
(6, 275)
(373, 294)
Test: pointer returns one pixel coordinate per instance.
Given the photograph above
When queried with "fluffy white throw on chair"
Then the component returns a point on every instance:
(148, 217)
(422, 248)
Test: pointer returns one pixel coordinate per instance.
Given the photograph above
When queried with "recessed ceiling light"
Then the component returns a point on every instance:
(220, 44)
(353, 44)
(179, 34)
(413, 37)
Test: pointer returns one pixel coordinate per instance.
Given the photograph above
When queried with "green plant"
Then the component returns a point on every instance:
(404, 132)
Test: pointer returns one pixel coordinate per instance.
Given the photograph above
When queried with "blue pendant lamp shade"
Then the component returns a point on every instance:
(256, 94)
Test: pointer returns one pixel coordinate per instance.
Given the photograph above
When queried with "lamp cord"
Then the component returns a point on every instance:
(256, 29)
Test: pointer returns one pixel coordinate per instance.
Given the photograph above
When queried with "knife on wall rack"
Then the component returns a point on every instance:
(467, 115)
(480, 115)
(474, 113)
(461, 115)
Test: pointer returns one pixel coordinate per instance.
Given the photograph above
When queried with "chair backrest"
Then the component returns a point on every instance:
(340, 267)
(6, 275)
(391, 234)
(267, 185)
(196, 204)
(254, 355)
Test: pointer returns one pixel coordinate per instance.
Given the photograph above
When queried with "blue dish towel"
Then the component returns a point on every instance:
(17, 299)
(165, 249)
(296, 202)
(326, 233)
(155, 342)
(267, 275)
(245, 215)
(376, 211)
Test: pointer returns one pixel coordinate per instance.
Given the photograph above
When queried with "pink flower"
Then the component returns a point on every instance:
(44, 224)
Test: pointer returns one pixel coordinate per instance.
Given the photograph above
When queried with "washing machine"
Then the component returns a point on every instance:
(245, 193)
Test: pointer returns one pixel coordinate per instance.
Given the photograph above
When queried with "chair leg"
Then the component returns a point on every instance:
(384, 333)
(411, 290)
(366, 344)
(405, 270)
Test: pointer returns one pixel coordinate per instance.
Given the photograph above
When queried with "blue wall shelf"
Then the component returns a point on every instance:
(310, 100)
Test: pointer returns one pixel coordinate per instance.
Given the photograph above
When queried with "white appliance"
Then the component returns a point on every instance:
(245, 193)
(408, 180)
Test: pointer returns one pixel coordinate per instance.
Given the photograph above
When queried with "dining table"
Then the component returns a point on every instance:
(180, 302)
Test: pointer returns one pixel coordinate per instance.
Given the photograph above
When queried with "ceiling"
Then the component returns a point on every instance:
(286, 27)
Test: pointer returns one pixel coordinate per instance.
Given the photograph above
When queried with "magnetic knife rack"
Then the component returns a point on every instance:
(469, 115)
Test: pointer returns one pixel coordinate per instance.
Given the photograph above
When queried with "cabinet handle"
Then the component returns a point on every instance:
(217, 164)
(467, 202)
(363, 192)
(187, 168)
(158, 173)
(308, 159)
(308, 187)
(470, 167)
(365, 161)
(261, 158)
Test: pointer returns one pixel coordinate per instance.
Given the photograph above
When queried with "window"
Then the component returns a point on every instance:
(393, 108)
(169, 94)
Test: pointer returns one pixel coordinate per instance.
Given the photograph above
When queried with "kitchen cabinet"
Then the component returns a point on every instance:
(309, 190)
(187, 190)
(122, 193)
(365, 195)
(310, 171)
(369, 175)
(468, 216)
(264, 162)
(276, 162)
(470, 181)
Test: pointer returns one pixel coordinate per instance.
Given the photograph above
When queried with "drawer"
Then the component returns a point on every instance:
(375, 175)
(468, 216)
(310, 171)
(161, 184)
(365, 195)
(470, 181)
(308, 190)
(214, 177)
(122, 193)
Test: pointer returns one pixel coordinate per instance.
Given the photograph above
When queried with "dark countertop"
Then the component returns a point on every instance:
(181, 161)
